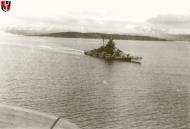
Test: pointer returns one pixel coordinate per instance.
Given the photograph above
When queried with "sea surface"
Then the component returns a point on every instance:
(52, 75)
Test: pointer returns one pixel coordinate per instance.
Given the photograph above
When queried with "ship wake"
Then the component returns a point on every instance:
(64, 50)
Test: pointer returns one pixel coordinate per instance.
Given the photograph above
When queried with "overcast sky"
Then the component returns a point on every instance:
(112, 16)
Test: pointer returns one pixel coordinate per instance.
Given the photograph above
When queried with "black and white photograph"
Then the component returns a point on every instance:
(95, 64)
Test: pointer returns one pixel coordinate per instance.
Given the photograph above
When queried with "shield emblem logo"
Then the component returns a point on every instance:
(5, 5)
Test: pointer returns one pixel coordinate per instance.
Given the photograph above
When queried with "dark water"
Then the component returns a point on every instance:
(52, 75)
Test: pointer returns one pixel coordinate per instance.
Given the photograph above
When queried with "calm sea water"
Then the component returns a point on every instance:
(52, 75)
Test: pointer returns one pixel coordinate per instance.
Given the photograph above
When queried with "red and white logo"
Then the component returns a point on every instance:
(6, 5)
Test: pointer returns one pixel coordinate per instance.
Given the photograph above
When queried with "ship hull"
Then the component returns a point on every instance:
(118, 58)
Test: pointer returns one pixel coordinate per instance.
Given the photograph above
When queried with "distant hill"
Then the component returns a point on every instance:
(160, 37)
(99, 35)
(177, 37)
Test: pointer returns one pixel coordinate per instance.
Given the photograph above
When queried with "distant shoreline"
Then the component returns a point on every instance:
(99, 35)
(93, 35)
(90, 35)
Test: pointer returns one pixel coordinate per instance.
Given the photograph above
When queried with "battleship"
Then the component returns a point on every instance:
(110, 52)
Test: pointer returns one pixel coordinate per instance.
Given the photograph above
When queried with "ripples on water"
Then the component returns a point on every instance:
(52, 75)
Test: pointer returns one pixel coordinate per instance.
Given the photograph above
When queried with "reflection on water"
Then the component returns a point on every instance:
(52, 75)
